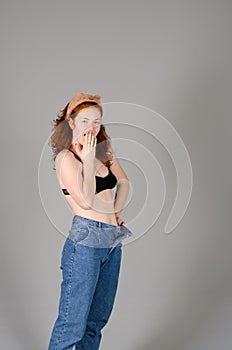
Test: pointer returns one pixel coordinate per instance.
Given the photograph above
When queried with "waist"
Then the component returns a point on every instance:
(91, 222)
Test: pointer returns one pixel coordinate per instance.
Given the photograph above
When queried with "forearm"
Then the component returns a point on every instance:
(121, 195)
(88, 184)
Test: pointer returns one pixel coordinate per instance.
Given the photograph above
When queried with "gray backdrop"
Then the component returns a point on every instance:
(174, 57)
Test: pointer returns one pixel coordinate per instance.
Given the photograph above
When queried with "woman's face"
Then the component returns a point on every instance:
(87, 119)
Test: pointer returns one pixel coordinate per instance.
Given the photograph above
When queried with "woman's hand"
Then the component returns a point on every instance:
(88, 151)
(119, 221)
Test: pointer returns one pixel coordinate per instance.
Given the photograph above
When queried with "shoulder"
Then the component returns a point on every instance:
(65, 157)
(61, 155)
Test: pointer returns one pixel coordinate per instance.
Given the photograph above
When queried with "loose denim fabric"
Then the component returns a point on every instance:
(90, 265)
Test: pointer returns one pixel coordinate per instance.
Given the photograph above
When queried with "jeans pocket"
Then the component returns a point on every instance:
(79, 233)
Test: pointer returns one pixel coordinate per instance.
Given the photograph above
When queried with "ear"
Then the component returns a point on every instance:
(71, 123)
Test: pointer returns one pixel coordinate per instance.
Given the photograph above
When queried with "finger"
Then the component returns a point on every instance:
(92, 141)
(85, 142)
(85, 138)
(88, 139)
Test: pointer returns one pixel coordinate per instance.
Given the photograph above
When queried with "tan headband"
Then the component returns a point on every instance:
(78, 99)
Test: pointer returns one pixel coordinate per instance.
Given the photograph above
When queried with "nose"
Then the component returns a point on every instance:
(90, 129)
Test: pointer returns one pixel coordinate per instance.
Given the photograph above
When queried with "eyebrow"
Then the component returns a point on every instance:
(88, 118)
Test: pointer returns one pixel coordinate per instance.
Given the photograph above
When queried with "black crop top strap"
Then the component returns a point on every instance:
(76, 156)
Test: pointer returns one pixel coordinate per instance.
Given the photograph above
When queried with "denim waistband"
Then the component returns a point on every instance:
(84, 220)
(97, 234)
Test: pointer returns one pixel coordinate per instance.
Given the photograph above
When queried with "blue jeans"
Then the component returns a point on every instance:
(90, 264)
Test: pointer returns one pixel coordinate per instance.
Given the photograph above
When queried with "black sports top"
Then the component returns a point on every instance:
(102, 183)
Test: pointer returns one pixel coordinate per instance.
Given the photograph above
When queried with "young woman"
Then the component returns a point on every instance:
(87, 170)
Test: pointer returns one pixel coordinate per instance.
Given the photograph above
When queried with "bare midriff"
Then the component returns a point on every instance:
(102, 208)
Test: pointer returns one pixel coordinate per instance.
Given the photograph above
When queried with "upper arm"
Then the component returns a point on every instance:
(117, 169)
(69, 170)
